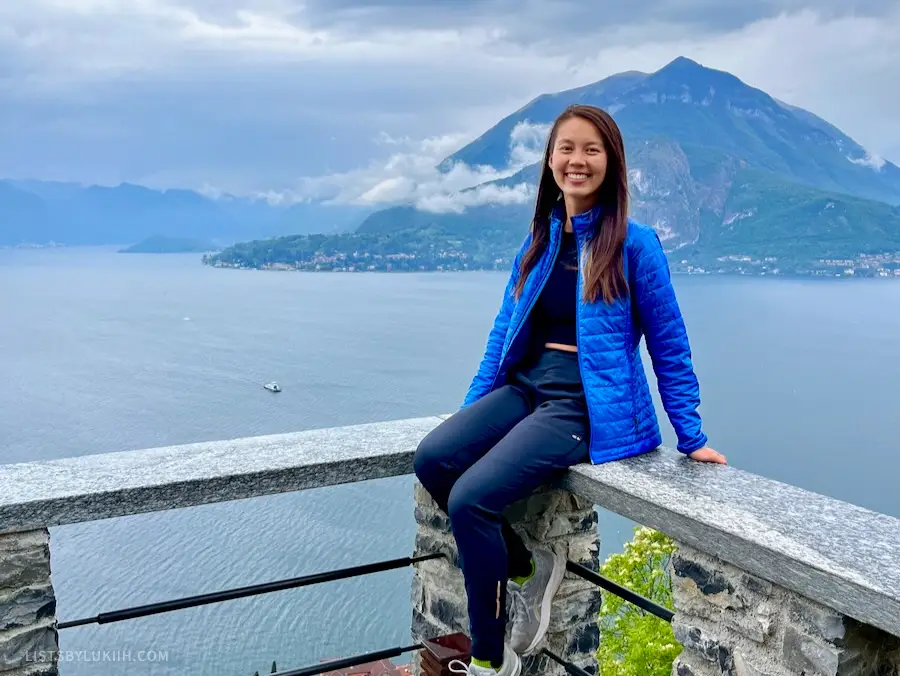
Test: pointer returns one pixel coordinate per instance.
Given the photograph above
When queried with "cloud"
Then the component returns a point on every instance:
(246, 96)
(529, 20)
(484, 194)
(527, 143)
(873, 161)
(410, 175)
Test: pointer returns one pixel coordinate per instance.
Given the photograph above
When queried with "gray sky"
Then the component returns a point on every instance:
(326, 96)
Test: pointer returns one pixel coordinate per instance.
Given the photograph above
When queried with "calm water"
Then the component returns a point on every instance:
(103, 352)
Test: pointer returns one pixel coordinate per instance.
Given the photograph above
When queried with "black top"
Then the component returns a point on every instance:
(553, 315)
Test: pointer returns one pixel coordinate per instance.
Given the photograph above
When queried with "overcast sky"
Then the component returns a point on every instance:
(280, 95)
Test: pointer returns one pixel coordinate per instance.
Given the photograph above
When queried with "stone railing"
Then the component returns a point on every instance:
(769, 580)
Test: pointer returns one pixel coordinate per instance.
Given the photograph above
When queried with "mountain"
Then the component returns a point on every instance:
(39, 212)
(709, 111)
(700, 143)
(23, 216)
(771, 218)
(158, 244)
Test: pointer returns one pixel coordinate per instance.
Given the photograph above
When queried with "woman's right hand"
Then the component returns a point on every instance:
(706, 454)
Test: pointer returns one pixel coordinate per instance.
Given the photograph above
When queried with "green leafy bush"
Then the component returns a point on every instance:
(632, 641)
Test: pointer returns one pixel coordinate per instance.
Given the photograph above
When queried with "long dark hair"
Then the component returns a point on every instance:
(603, 266)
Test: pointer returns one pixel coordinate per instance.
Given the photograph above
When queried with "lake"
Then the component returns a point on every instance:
(105, 352)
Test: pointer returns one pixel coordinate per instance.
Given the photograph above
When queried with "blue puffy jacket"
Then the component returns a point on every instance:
(623, 420)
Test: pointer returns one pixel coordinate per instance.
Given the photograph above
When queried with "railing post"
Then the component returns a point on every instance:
(550, 517)
(29, 642)
(737, 624)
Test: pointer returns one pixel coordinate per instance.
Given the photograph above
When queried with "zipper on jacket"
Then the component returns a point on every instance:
(528, 310)
(579, 289)
(629, 321)
(632, 373)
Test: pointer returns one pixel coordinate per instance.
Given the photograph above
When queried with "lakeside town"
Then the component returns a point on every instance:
(882, 265)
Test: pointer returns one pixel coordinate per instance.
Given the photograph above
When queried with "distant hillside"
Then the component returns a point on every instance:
(159, 244)
(769, 218)
(37, 212)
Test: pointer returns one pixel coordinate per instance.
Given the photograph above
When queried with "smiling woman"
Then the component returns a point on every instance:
(561, 382)
(578, 159)
(585, 168)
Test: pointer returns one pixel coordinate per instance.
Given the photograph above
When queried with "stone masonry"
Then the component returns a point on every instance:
(732, 623)
(28, 636)
(549, 517)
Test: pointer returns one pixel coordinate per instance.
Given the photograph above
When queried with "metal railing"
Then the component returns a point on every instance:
(624, 593)
(242, 592)
(344, 573)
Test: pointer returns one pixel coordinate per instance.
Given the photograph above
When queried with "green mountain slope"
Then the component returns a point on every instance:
(768, 218)
(760, 218)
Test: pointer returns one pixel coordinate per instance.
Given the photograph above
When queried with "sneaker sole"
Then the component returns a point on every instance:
(556, 578)
(517, 670)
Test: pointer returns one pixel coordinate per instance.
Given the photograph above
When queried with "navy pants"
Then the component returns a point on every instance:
(491, 454)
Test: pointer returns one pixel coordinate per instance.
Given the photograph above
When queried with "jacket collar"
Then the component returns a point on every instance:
(581, 223)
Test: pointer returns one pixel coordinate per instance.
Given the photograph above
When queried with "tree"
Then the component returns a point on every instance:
(634, 642)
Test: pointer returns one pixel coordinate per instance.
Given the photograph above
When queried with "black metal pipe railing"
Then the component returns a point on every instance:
(623, 592)
(354, 571)
(241, 592)
(389, 653)
(570, 668)
(349, 662)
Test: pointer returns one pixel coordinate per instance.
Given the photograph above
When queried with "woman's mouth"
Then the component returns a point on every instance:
(576, 177)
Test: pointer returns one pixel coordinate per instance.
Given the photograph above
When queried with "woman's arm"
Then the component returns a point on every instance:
(667, 343)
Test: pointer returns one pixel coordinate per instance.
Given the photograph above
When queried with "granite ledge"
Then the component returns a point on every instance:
(86, 488)
(833, 552)
(839, 554)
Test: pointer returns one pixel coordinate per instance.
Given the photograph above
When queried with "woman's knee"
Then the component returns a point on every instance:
(430, 457)
(468, 495)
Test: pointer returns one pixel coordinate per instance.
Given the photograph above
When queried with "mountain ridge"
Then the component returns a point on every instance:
(687, 84)
(722, 171)
(34, 212)
(698, 127)
(699, 141)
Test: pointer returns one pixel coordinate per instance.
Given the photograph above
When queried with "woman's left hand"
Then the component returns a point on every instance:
(706, 454)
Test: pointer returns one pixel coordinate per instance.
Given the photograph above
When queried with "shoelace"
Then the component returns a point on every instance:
(518, 603)
(458, 663)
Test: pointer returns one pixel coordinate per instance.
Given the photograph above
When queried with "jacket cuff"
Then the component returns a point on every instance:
(695, 444)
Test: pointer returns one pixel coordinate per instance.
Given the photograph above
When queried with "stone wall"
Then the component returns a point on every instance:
(736, 624)
(553, 517)
(28, 637)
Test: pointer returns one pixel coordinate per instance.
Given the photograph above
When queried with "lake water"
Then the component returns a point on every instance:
(102, 352)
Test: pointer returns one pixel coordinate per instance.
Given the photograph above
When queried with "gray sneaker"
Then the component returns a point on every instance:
(531, 601)
(512, 666)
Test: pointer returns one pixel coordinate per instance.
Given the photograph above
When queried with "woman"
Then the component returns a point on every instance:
(561, 381)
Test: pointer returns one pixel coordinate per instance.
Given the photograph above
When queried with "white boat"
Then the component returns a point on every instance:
(272, 387)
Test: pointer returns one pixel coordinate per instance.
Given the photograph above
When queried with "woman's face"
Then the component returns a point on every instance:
(578, 160)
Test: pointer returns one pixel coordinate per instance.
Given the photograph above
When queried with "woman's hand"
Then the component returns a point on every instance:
(706, 454)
